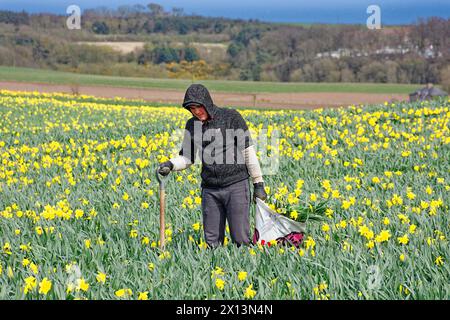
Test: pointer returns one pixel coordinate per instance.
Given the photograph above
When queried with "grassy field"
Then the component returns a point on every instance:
(55, 77)
(79, 211)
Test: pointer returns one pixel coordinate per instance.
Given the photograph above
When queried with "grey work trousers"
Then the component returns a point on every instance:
(231, 203)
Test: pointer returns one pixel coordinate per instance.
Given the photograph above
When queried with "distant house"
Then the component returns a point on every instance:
(428, 93)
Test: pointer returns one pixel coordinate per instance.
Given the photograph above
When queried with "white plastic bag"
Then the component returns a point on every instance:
(270, 225)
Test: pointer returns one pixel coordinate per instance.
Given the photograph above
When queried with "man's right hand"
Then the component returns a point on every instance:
(165, 168)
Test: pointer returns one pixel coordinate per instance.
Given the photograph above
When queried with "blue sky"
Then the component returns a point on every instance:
(324, 11)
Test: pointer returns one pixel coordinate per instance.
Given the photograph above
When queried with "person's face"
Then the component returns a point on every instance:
(199, 111)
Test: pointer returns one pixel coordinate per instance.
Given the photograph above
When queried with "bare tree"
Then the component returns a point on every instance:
(177, 12)
(156, 10)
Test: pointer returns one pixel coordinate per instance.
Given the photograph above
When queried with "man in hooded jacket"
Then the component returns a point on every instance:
(222, 139)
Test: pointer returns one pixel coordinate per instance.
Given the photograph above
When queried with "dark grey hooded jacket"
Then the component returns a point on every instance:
(219, 149)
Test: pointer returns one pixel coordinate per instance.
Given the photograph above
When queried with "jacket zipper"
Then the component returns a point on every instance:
(215, 174)
(214, 165)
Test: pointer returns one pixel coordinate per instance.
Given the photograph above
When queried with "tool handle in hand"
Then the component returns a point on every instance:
(161, 179)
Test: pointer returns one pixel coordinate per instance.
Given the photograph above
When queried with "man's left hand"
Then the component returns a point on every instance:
(259, 192)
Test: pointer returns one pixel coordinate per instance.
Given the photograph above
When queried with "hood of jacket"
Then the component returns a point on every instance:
(198, 94)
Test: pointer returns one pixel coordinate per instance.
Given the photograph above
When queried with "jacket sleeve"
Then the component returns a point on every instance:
(246, 146)
(252, 163)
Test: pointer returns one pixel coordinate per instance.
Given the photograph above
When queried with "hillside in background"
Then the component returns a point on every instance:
(151, 42)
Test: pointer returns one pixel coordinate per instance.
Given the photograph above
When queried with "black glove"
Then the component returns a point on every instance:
(165, 168)
(259, 192)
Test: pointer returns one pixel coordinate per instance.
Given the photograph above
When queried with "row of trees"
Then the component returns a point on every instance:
(153, 18)
(146, 25)
(166, 54)
(407, 70)
(15, 18)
